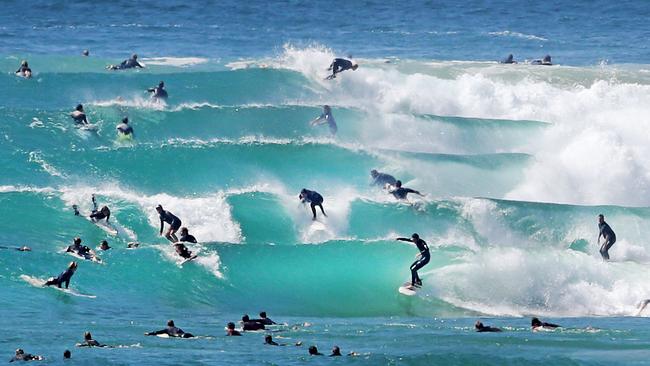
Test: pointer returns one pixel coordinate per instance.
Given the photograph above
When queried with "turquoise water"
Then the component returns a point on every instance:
(515, 162)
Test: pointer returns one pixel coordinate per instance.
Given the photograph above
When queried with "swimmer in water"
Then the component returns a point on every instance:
(171, 331)
(606, 233)
(67, 354)
(85, 53)
(186, 236)
(400, 192)
(314, 198)
(536, 324)
(104, 245)
(64, 277)
(231, 330)
(79, 116)
(268, 340)
(339, 65)
(546, 61)
(422, 258)
(479, 327)
(382, 179)
(336, 351)
(89, 341)
(22, 356)
(20, 249)
(509, 60)
(24, 70)
(101, 214)
(124, 127)
(313, 351)
(131, 63)
(326, 117)
(158, 92)
(248, 324)
(264, 319)
(173, 221)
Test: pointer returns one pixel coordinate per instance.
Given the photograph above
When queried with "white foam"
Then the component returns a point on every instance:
(136, 101)
(37, 157)
(176, 61)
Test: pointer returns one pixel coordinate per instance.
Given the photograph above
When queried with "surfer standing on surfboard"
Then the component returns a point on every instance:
(422, 258)
(314, 198)
(173, 221)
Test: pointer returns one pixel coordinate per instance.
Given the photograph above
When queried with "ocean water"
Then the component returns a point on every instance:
(515, 162)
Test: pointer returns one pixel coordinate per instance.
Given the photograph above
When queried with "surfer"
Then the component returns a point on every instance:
(103, 213)
(536, 324)
(382, 179)
(401, 192)
(268, 340)
(64, 277)
(509, 60)
(484, 328)
(314, 198)
(22, 356)
(171, 331)
(422, 258)
(124, 127)
(24, 70)
(130, 63)
(248, 324)
(313, 351)
(89, 341)
(85, 53)
(264, 320)
(182, 250)
(230, 328)
(336, 351)
(546, 61)
(186, 236)
(79, 116)
(104, 245)
(20, 249)
(67, 354)
(608, 234)
(642, 306)
(173, 221)
(340, 65)
(158, 92)
(79, 249)
(326, 117)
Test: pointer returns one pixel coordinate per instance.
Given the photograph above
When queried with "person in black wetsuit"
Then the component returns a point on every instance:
(608, 234)
(24, 70)
(248, 324)
(22, 356)
(171, 331)
(535, 324)
(546, 61)
(64, 277)
(89, 341)
(326, 117)
(186, 236)
(336, 351)
(103, 213)
(382, 179)
(78, 249)
(231, 330)
(264, 320)
(400, 192)
(173, 221)
(422, 258)
(67, 354)
(313, 351)
(79, 116)
(104, 245)
(509, 60)
(340, 65)
(124, 127)
(479, 327)
(314, 198)
(268, 340)
(131, 63)
(158, 92)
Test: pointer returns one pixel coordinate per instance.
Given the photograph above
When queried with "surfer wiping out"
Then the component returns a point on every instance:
(339, 65)
(130, 63)
(158, 92)
(171, 331)
(608, 234)
(79, 116)
(101, 214)
(314, 198)
(64, 277)
(173, 221)
(401, 192)
(326, 117)
(422, 258)
(382, 179)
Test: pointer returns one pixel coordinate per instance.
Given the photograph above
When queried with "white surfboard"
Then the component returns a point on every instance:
(92, 258)
(107, 227)
(407, 289)
(316, 226)
(40, 283)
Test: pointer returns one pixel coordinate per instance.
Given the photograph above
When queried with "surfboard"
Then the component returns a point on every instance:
(107, 227)
(92, 258)
(316, 226)
(407, 289)
(40, 283)
(188, 259)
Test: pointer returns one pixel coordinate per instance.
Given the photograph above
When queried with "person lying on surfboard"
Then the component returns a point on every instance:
(422, 258)
(171, 331)
(64, 277)
(479, 327)
(314, 198)
(130, 63)
(78, 249)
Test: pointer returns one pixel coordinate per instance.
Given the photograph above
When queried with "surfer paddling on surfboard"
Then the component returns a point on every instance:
(422, 258)
(171, 331)
(314, 198)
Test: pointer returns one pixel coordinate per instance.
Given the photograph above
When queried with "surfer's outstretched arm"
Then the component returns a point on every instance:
(157, 332)
(405, 239)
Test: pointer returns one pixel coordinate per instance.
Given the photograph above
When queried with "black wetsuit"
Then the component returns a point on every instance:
(610, 239)
(79, 118)
(484, 328)
(315, 199)
(401, 192)
(90, 343)
(23, 69)
(125, 128)
(382, 179)
(128, 64)
(265, 321)
(24, 357)
(99, 215)
(182, 250)
(172, 332)
(252, 325)
(64, 277)
(188, 238)
(340, 65)
(171, 219)
(81, 250)
(158, 92)
(425, 256)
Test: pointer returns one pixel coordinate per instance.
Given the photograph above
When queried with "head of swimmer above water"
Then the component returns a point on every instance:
(76, 241)
(79, 108)
(23, 63)
(125, 120)
(231, 326)
(170, 323)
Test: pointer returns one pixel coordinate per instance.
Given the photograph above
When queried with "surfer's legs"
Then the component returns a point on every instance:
(321, 209)
(415, 278)
(313, 210)
(604, 249)
(52, 281)
(643, 305)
